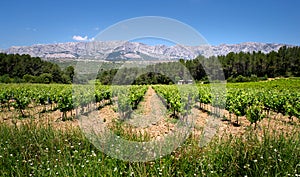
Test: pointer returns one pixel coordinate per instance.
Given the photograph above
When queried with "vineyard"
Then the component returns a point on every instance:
(253, 100)
(238, 107)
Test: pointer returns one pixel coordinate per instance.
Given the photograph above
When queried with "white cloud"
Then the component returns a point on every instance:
(80, 38)
(31, 29)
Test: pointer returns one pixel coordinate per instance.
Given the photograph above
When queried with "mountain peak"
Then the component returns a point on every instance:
(124, 50)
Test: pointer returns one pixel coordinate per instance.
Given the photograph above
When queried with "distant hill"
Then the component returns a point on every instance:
(120, 50)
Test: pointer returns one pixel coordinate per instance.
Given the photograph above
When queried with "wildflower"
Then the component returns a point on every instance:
(115, 169)
(275, 150)
(255, 161)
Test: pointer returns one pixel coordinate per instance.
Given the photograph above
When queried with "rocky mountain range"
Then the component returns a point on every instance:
(120, 50)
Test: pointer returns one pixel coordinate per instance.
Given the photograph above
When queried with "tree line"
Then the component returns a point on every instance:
(24, 68)
(234, 67)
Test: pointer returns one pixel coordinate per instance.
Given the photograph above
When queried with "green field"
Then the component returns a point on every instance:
(258, 136)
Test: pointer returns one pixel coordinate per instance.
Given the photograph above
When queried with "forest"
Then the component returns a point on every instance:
(15, 68)
(234, 67)
(237, 67)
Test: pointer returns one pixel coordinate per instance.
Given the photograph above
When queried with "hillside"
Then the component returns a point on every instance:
(120, 50)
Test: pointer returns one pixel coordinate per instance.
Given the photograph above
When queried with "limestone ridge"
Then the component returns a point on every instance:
(120, 50)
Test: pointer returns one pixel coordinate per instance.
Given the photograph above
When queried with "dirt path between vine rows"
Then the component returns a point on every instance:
(153, 120)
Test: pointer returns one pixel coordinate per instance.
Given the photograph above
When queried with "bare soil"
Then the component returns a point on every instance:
(153, 120)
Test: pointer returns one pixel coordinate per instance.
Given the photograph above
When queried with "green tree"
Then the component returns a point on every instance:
(69, 72)
(29, 78)
(45, 78)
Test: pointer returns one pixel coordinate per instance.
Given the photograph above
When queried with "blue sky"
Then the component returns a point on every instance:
(219, 21)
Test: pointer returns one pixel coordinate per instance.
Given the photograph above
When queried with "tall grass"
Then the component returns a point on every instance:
(42, 151)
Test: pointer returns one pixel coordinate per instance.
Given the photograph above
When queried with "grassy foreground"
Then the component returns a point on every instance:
(43, 151)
